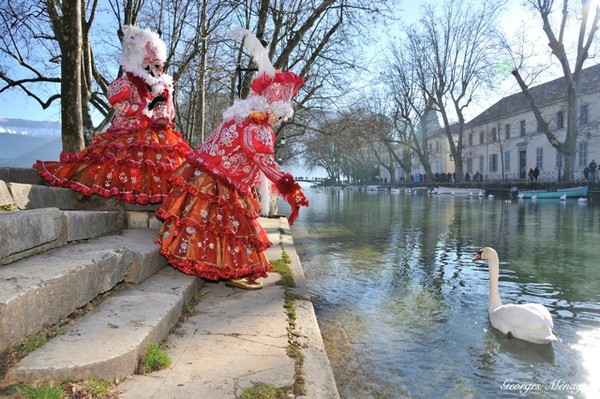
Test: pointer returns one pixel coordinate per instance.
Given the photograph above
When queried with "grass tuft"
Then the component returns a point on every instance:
(44, 390)
(263, 392)
(156, 358)
(28, 346)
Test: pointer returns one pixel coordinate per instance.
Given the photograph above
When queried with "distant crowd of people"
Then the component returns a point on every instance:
(477, 177)
(533, 174)
(591, 172)
(445, 178)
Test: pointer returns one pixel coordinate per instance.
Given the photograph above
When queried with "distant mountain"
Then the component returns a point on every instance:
(22, 142)
(26, 127)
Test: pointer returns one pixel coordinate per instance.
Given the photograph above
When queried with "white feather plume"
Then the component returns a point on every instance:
(256, 49)
(264, 192)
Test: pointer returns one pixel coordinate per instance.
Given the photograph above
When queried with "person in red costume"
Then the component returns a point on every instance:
(134, 157)
(210, 227)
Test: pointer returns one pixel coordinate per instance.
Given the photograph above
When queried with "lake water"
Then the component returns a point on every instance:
(403, 308)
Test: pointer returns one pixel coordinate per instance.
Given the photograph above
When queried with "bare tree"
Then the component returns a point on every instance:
(195, 34)
(70, 41)
(33, 42)
(455, 50)
(315, 41)
(571, 65)
(414, 115)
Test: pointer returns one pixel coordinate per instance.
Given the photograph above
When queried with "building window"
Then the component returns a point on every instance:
(582, 154)
(470, 165)
(539, 157)
(507, 161)
(583, 115)
(507, 131)
(560, 120)
(522, 128)
(559, 160)
(493, 163)
(481, 163)
(494, 135)
(471, 139)
(481, 138)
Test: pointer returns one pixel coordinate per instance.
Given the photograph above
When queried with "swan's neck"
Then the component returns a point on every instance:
(494, 268)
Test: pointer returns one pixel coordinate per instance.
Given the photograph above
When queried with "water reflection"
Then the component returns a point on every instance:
(403, 308)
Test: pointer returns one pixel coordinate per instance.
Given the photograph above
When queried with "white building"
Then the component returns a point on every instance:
(504, 141)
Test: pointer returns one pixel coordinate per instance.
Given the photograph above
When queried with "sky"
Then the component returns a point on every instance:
(15, 104)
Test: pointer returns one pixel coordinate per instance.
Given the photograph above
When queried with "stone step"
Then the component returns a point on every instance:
(6, 199)
(31, 232)
(84, 225)
(20, 175)
(34, 231)
(109, 341)
(32, 196)
(25, 196)
(42, 289)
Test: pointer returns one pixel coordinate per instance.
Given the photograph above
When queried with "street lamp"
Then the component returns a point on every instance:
(279, 147)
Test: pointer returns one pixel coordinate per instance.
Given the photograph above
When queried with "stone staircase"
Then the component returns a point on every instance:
(59, 251)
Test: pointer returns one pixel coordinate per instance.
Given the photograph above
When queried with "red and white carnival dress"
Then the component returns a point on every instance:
(210, 217)
(133, 159)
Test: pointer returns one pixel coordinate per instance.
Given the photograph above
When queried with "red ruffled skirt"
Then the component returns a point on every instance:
(133, 166)
(211, 230)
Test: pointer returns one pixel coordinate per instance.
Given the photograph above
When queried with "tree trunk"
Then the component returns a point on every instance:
(72, 123)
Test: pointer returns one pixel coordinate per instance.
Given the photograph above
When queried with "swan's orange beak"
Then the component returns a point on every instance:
(478, 256)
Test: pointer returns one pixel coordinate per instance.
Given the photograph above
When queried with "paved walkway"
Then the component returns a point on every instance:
(239, 338)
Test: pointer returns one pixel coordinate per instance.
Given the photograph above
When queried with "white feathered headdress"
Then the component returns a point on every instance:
(142, 47)
(256, 49)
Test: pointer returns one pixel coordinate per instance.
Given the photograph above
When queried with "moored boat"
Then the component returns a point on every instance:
(556, 193)
(458, 191)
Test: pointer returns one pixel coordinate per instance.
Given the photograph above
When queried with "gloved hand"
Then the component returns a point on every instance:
(291, 191)
(155, 101)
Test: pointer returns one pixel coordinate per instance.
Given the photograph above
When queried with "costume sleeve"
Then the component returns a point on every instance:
(258, 142)
(122, 97)
(164, 112)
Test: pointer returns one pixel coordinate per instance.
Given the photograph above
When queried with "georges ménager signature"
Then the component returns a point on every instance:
(555, 385)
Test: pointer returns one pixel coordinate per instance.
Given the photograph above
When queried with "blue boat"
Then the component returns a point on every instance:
(567, 192)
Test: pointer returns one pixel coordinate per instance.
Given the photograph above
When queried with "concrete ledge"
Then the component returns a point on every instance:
(27, 196)
(83, 225)
(240, 338)
(29, 232)
(320, 381)
(108, 342)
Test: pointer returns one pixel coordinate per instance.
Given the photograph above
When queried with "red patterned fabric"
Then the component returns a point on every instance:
(210, 224)
(237, 151)
(210, 229)
(133, 159)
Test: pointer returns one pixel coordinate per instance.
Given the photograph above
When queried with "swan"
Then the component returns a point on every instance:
(529, 321)
(563, 197)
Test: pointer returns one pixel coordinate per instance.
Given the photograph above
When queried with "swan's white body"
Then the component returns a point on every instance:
(529, 321)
